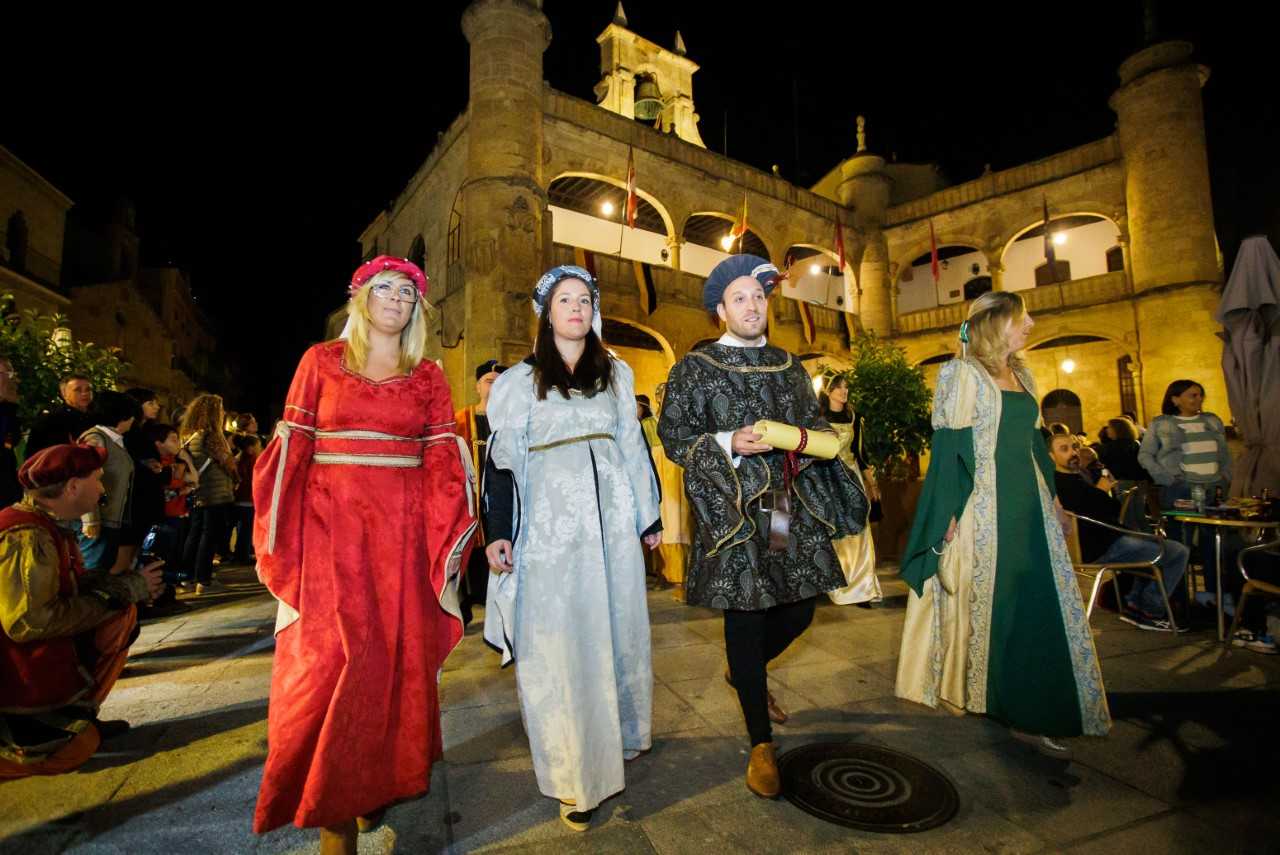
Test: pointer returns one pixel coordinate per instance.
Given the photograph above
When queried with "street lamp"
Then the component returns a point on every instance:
(726, 243)
(814, 269)
(607, 209)
(1059, 238)
(1068, 365)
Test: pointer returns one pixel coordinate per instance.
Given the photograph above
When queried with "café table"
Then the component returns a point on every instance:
(1218, 524)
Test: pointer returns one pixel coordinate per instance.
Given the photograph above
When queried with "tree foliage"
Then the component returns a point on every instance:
(893, 399)
(43, 351)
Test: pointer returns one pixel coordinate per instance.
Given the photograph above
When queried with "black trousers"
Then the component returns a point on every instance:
(208, 530)
(474, 584)
(752, 640)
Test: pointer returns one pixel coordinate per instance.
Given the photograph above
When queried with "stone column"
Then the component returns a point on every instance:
(1161, 130)
(996, 271)
(876, 303)
(505, 221)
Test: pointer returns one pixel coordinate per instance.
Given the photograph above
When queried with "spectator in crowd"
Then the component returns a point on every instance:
(1120, 453)
(1090, 467)
(204, 439)
(249, 446)
(148, 403)
(1059, 428)
(10, 434)
(246, 424)
(104, 539)
(1263, 565)
(1100, 545)
(65, 422)
(1185, 452)
(180, 482)
(239, 426)
(1133, 420)
(65, 632)
(149, 477)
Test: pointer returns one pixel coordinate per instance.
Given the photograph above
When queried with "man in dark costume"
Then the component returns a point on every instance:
(763, 518)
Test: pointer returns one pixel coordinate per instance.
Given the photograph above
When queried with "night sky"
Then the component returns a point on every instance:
(257, 149)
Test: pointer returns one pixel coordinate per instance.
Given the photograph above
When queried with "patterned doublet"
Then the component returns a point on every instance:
(722, 388)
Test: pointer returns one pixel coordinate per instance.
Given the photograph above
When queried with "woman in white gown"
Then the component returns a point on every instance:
(570, 495)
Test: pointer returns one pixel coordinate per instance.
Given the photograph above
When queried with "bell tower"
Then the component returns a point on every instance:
(642, 81)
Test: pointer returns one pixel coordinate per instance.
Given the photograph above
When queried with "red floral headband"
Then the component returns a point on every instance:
(374, 266)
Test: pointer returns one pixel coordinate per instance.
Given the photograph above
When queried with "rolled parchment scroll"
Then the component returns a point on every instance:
(790, 438)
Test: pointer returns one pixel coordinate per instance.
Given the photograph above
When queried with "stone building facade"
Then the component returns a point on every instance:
(33, 221)
(529, 176)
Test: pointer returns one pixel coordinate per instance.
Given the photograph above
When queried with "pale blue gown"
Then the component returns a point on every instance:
(573, 614)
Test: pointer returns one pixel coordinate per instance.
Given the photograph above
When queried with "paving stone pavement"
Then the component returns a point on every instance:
(1188, 766)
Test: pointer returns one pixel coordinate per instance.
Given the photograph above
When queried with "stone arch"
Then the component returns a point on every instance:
(829, 253)
(658, 206)
(945, 239)
(1051, 339)
(644, 349)
(731, 219)
(846, 299)
(1083, 211)
(663, 345)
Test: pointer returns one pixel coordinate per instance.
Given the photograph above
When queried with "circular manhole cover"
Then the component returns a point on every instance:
(867, 787)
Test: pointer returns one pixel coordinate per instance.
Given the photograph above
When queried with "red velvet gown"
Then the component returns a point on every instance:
(364, 516)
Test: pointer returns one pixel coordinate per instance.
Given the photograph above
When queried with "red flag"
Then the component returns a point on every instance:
(840, 244)
(740, 228)
(632, 200)
(933, 254)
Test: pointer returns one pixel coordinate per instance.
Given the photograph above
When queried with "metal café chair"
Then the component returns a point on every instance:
(1100, 572)
(1251, 585)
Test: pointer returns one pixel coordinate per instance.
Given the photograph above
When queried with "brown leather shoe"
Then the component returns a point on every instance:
(762, 772)
(777, 714)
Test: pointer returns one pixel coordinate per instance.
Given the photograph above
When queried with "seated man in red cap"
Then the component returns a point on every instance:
(65, 632)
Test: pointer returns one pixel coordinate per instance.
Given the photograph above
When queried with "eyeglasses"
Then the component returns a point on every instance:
(403, 293)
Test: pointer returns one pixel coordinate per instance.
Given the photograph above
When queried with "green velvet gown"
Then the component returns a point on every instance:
(1030, 682)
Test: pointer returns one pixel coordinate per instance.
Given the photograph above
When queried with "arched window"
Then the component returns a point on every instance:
(1128, 389)
(418, 252)
(15, 240)
(1063, 405)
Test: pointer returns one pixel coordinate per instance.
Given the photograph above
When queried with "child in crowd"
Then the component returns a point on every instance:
(180, 481)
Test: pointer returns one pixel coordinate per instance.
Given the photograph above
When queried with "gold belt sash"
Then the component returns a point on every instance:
(284, 429)
(559, 442)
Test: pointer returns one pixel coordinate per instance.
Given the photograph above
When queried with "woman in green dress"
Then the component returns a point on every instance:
(995, 622)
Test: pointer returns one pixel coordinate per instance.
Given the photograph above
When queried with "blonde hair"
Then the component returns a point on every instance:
(204, 414)
(413, 338)
(984, 336)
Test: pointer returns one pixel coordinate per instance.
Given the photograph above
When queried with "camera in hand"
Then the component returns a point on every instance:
(149, 552)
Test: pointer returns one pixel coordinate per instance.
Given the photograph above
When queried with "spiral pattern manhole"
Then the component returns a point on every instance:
(867, 787)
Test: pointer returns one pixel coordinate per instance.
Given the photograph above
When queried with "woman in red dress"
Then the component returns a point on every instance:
(364, 514)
